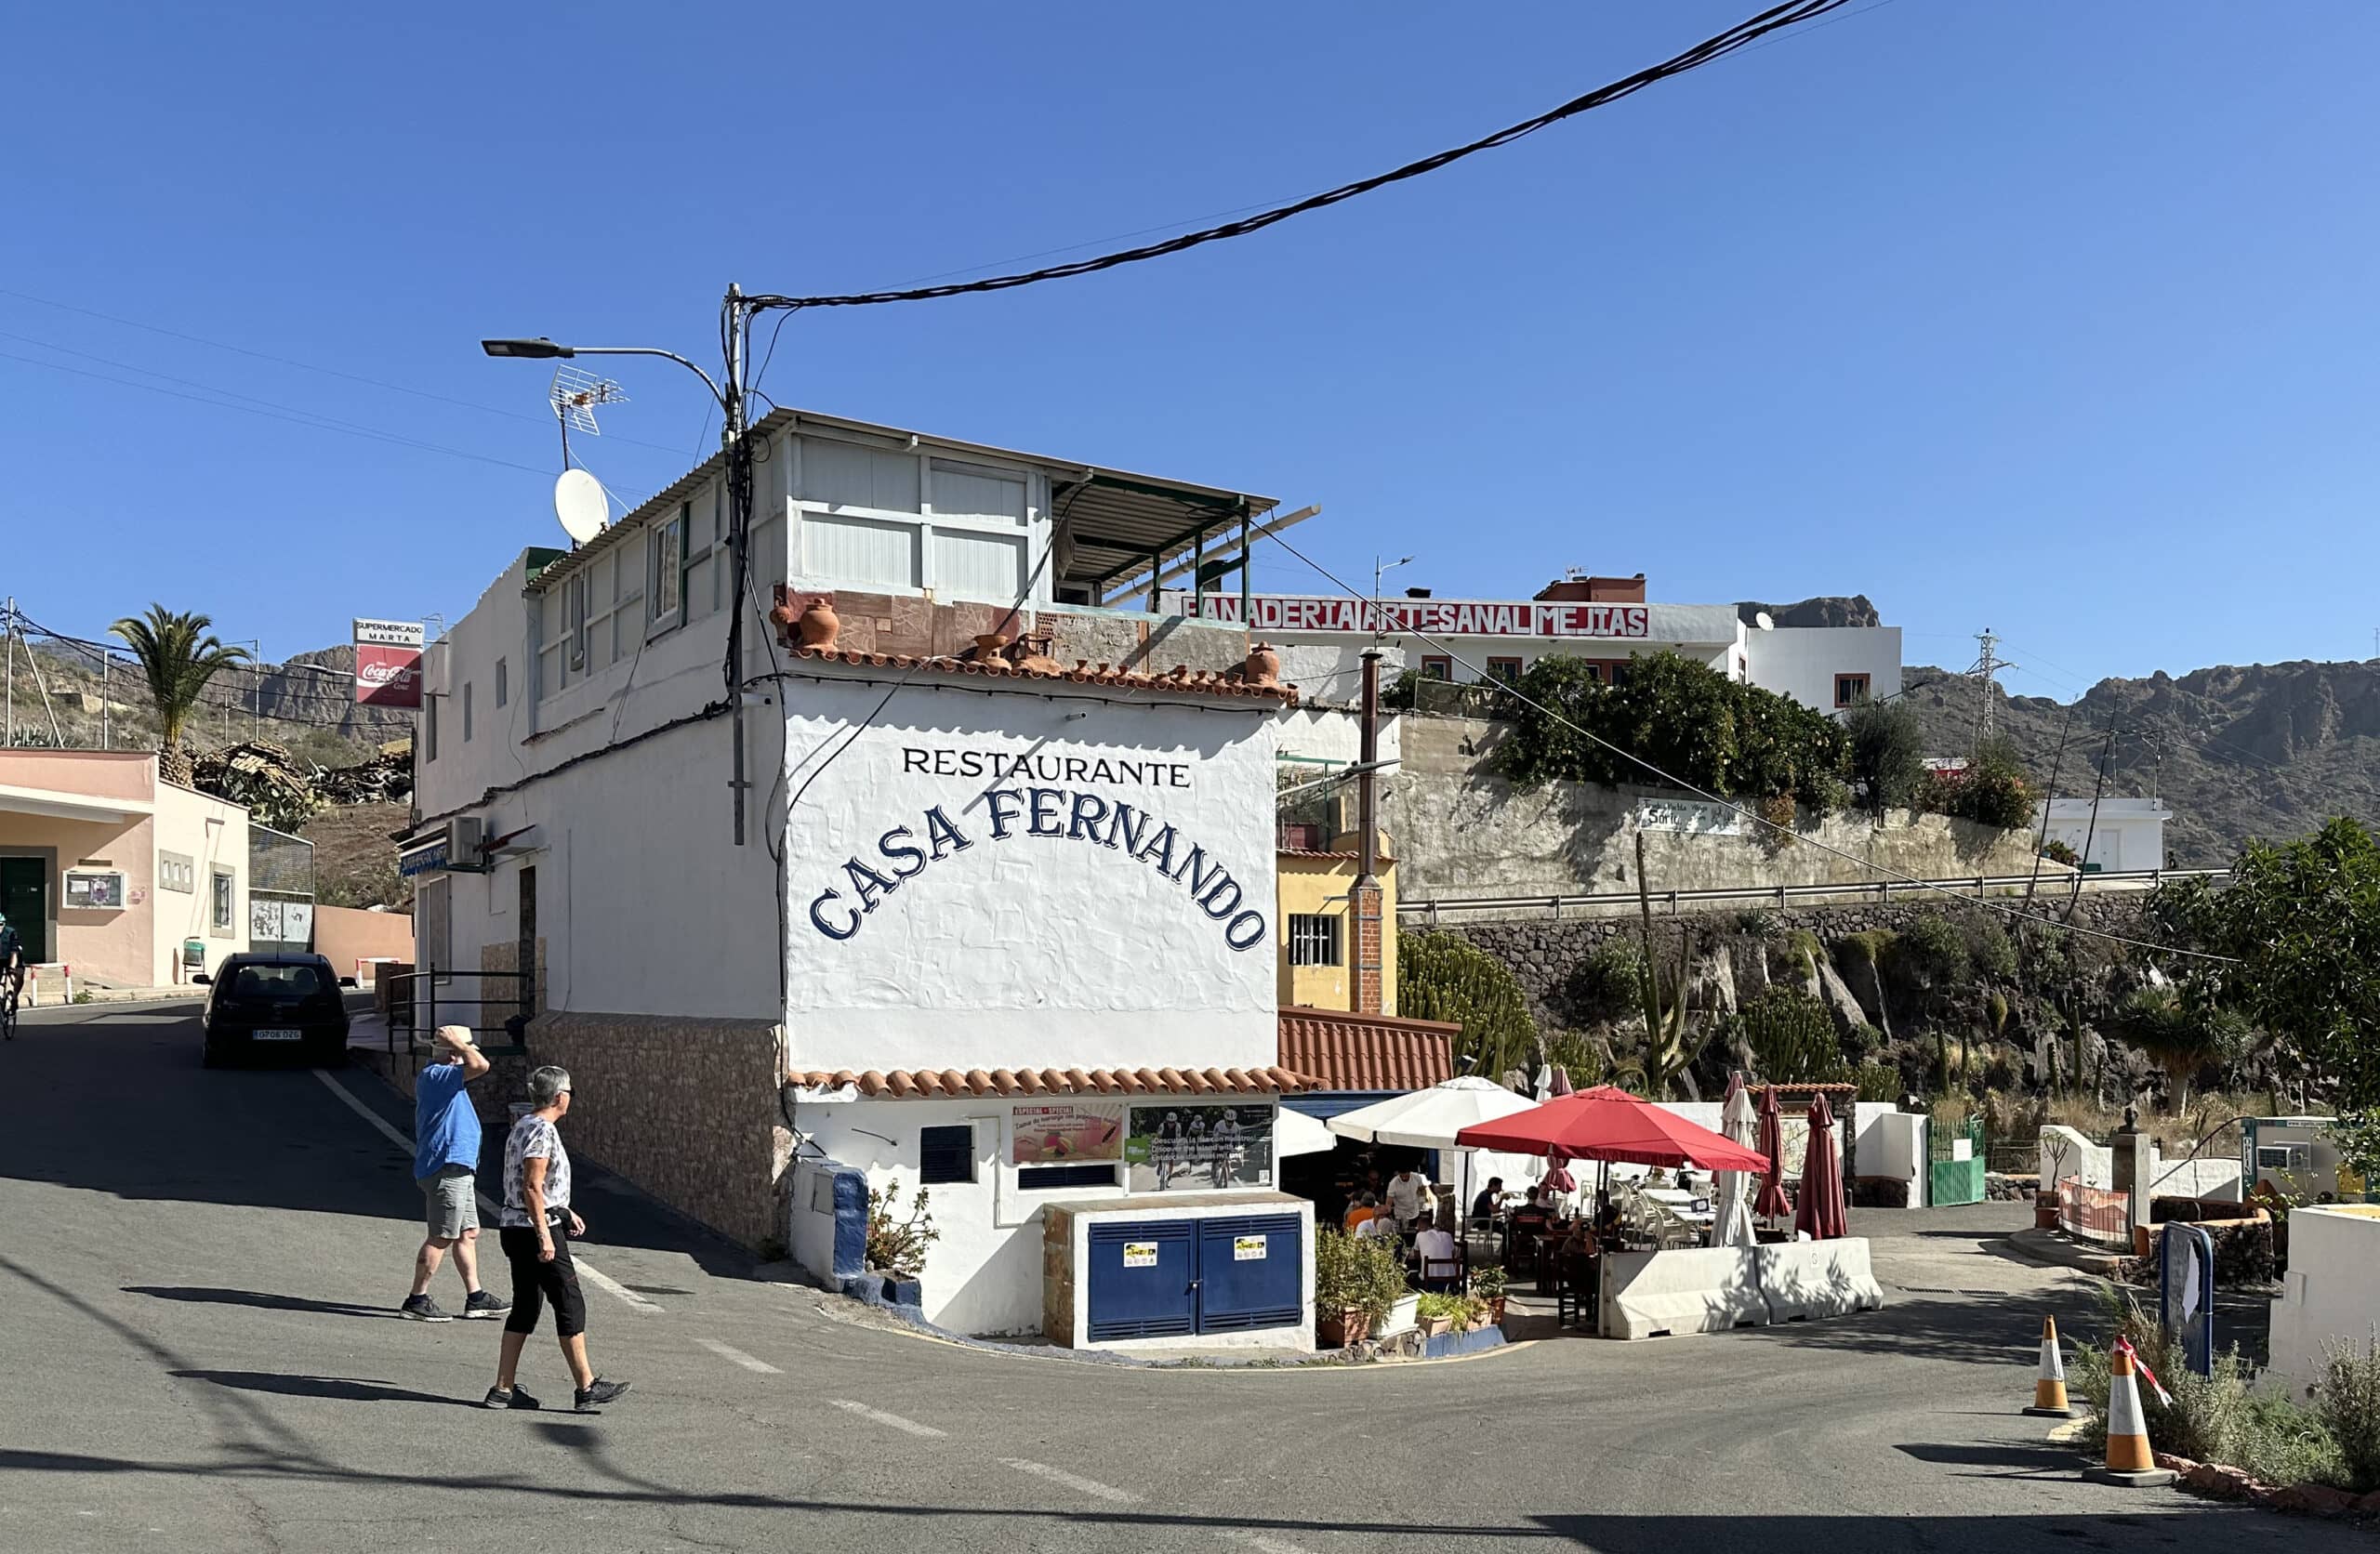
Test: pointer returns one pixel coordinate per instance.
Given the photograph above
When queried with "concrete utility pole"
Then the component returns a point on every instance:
(9, 737)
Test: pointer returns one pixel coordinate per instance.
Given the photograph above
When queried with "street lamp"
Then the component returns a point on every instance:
(543, 349)
(1381, 568)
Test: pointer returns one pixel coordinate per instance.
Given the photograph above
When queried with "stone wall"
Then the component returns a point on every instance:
(1462, 831)
(1543, 951)
(686, 1108)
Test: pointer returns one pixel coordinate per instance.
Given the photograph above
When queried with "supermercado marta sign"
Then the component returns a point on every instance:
(1032, 806)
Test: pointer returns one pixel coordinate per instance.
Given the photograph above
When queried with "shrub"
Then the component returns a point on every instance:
(1432, 1307)
(1928, 954)
(2348, 1404)
(2059, 851)
(1992, 791)
(1887, 754)
(1443, 976)
(1864, 951)
(898, 1244)
(1989, 950)
(1878, 1082)
(1489, 1281)
(1360, 1273)
(1604, 986)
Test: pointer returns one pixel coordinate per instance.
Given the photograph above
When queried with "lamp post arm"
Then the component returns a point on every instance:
(655, 350)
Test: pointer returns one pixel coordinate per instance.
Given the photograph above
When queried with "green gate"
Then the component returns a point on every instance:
(1949, 1177)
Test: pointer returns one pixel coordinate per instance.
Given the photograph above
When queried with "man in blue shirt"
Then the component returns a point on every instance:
(445, 1161)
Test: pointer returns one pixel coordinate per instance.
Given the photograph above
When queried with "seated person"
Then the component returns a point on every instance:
(1607, 1223)
(1365, 1207)
(1433, 1246)
(1381, 1226)
(1535, 1206)
(1490, 1200)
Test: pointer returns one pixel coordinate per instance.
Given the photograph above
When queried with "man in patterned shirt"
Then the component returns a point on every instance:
(535, 1225)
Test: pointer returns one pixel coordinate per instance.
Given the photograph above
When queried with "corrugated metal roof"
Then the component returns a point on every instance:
(1118, 518)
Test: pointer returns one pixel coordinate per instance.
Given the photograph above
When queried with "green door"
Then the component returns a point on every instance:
(24, 900)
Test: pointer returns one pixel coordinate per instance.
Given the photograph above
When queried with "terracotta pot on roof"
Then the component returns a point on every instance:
(1263, 666)
(819, 624)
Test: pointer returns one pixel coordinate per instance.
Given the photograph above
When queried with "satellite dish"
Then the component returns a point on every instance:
(580, 504)
(1759, 617)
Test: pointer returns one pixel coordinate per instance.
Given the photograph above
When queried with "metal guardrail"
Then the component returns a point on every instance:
(415, 1003)
(1878, 890)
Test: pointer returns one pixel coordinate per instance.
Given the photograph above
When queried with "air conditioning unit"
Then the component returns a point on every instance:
(465, 853)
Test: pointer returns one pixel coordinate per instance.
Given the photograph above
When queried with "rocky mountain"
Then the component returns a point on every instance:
(1832, 611)
(2267, 750)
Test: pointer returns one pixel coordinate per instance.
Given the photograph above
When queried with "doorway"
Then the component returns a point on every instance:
(24, 900)
(527, 963)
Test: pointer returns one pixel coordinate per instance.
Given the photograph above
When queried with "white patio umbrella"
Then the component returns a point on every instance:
(1430, 1119)
(1295, 1133)
(1732, 1223)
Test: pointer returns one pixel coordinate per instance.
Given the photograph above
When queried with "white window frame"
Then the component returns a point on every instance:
(1310, 936)
(222, 915)
(665, 563)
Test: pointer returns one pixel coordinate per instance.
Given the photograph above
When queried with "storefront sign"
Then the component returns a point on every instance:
(1052, 814)
(1247, 1248)
(1689, 816)
(1439, 617)
(1199, 1149)
(1140, 1253)
(387, 662)
(1050, 1135)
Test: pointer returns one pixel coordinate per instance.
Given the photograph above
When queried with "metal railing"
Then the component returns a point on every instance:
(1850, 892)
(416, 1002)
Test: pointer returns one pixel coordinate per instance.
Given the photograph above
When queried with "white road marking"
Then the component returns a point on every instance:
(596, 1276)
(1259, 1541)
(1075, 1482)
(736, 1356)
(893, 1421)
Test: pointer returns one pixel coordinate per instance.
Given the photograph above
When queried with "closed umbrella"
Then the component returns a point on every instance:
(1732, 1220)
(1821, 1213)
(1772, 1204)
(1560, 1083)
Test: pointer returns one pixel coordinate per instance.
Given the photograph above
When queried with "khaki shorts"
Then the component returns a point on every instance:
(452, 1203)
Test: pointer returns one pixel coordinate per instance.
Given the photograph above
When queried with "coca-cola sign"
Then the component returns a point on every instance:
(387, 662)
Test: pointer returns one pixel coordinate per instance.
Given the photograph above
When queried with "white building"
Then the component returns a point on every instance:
(991, 921)
(1605, 621)
(2128, 835)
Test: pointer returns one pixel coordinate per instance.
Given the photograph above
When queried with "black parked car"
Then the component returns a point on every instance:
(266, 1004)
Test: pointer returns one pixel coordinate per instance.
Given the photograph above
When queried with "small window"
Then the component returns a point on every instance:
(219, 917)
(946, 1154)
(429, 726)
(1037, 1178)
(1313, 939)
(466, 712)
(1850, 690)
(1438, 666)
(503, 682)
(1505, 669)
(668, 584)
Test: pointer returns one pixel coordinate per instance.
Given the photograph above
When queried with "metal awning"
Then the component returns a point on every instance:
(52, 804)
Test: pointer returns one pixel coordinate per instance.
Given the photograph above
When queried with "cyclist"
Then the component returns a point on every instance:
(12, 975)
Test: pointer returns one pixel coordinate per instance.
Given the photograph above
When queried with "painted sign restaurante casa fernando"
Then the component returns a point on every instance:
(1035, 812)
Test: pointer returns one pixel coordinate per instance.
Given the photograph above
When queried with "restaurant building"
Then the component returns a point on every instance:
(1001, 921)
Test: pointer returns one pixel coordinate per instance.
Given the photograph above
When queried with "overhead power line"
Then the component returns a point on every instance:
(1504, 688)
(1776, 18)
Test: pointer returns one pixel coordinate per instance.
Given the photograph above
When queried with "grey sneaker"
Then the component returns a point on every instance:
(513, 1397)
(587, 1399)
(481, 1304)
(421, 1308)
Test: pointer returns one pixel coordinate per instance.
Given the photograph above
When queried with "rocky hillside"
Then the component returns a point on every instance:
(2266, 750)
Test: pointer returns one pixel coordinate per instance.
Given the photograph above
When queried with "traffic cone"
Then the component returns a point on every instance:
(2049, 1386)
(2129, 1460)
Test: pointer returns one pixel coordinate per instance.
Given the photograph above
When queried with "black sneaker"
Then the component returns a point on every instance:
(513, 1397)
(482, 1304)
(587, 1399)
(421, 1308)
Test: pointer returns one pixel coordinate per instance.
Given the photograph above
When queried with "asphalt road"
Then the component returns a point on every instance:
(199, 1352)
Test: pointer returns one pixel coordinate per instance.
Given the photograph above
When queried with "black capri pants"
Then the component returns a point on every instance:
(535, 1282)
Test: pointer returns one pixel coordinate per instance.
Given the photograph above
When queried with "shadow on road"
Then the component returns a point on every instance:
(262, 1301)
(2021, 1461)
(335, 1389)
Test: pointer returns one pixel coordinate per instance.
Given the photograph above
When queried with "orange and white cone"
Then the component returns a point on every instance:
(2049, 1385)
(2129, 1459)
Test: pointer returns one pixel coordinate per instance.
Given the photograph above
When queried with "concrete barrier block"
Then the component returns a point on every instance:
(1701, 1290)
(1817, 1279)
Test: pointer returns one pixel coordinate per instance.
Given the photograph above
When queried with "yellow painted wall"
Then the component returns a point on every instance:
(1307, 886)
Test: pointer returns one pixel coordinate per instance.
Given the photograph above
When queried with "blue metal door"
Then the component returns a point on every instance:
(1250, 1270)
(1143, 1279)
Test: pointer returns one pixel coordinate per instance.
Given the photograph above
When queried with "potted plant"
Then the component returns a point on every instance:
(1489, 1284)
(1438, 1314)
(896, 1244)
(1340, 1317)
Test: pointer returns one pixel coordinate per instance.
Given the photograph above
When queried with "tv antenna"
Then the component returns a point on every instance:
(574, 395)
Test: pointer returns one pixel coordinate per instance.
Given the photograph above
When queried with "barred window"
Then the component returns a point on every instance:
(1314, 940)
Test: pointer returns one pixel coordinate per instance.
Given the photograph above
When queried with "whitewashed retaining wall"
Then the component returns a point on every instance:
(2331, 1292)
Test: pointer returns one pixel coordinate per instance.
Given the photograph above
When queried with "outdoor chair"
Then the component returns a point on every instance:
(1575, 1298)
(1441, 1274)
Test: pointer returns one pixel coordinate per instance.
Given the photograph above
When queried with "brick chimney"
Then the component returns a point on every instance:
(1364, 904)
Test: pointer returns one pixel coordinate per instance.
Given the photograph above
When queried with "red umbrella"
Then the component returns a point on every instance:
(1821, 1212)
(1608, 1123)
(1772, 1204)
(1556, 1179)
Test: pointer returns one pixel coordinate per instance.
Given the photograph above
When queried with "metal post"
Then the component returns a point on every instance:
(738, 473)
(1247, 559)
(105, 658)
(1367, 769)
(8, 645)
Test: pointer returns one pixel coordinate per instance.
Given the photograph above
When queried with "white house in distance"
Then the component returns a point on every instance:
(999, 919)
(1605, 621)
(2128, 835)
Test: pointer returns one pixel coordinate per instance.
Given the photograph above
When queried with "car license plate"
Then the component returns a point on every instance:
(280, 1035)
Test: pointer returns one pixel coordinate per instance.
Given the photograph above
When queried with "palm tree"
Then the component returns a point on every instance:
(177, 656)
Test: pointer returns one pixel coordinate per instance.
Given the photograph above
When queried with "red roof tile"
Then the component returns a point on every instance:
(934, 1084)
(1181, 679)
(1346, 1052)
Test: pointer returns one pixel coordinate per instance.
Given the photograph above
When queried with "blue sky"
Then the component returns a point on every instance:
(2049, 317)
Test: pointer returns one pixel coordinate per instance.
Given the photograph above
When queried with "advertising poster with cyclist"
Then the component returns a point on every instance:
(1177, 1148)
